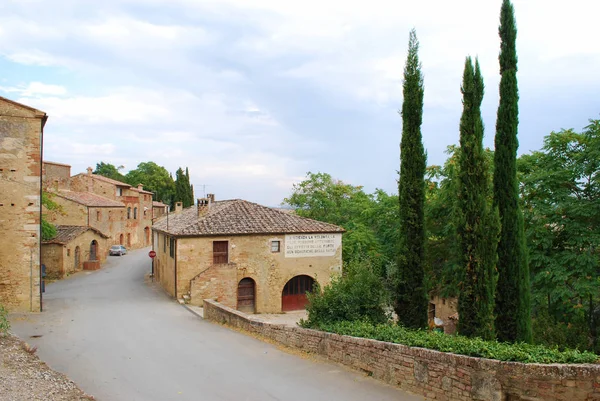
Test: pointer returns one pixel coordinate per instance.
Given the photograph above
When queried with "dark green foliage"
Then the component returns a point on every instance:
(477, 223)
(4, 322)
(476, 347)
(359, 294)
(369, 219)
(410, 295)
(513, 309)
(110, 171)
(183, 190)
(561, 194)
(49, 229)
(155, 179)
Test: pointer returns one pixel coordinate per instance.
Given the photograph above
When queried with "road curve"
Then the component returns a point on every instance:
(121, 338)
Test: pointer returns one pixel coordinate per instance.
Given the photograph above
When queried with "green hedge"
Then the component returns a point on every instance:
(475, 347)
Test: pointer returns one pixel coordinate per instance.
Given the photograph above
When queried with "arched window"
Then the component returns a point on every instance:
(128, 212)
(135, 212)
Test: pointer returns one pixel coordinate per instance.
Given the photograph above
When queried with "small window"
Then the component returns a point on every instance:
(119, 191)
(220, 252)
(275, 246)
(144, 212)
(98, 215)
(68, 252)
(128, 213)
(165, 243)
(172, 247)
(135, 213)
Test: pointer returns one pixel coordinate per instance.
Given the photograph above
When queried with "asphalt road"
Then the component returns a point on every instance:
(121, 338)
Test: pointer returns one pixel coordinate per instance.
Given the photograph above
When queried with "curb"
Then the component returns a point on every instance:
(192, 311)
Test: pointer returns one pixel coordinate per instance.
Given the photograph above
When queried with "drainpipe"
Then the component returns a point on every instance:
(175, 253)
(44, 119)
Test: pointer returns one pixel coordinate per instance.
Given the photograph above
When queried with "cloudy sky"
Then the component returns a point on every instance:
(252, 94)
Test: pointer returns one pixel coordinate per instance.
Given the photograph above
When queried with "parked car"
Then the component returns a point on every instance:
(119, 250)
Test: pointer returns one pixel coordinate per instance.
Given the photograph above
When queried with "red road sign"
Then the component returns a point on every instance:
(152, 254)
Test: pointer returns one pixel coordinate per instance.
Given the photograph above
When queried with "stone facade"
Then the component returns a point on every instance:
(250, 256)
(117, 209)
(21, 135)
(435, 375)
(259, 247)
(67, 254)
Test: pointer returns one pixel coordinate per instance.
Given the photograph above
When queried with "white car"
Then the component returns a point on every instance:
(119, 250)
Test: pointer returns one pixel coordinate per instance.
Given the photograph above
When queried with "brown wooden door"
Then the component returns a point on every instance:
(293, 296)
(245, 298)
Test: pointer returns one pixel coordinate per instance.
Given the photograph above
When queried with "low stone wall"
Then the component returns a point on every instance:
(433, 374)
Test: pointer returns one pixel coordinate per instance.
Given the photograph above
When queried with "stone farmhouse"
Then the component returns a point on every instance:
(247, 256)
(21, 136)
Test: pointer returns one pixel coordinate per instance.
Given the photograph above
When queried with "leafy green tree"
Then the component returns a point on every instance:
(410, 294)
(477, 227)
(561, 194)
(110, 171)
(513, 306)
(155, 179)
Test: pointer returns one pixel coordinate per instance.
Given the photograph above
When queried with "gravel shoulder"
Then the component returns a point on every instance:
(23, 376)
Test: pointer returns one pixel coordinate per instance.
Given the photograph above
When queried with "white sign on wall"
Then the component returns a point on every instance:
(308, 245)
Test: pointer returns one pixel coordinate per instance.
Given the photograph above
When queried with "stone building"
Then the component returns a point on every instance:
(72, 249)
(21, 136)
(246, 256)
(118, 210)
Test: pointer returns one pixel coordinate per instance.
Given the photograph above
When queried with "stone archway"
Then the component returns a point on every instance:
(246, 301)
(293, 296)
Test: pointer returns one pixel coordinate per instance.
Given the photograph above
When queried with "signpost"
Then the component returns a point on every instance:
(152, 254)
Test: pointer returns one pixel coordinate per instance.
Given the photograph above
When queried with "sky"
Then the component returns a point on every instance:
(251, 95)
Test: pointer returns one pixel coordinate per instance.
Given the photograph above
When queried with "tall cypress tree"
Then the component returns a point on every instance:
(410, 300)
(477, 226)
(513, 308)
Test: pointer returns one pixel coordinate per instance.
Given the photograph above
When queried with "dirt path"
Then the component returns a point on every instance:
(24, 377)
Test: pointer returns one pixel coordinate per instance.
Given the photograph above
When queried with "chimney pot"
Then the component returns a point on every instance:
(140, 187)
(178, 207)
(89, 170)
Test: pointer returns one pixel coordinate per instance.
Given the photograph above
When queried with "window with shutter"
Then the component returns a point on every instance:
(220, 252)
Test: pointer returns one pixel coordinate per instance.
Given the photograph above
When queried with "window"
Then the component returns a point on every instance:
(128, 212)
(68, 252)
(98, 215)
(119, 191)
(220, 252)
(165, 243)
(172, 247)
(135, 213)
(275, 246)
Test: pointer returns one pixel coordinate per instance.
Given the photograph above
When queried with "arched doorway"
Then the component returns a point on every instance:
(245, 295)
(293, 296)
(128, 240)
(121, 239)
(77, 258)
(147, 234)
(93, 250)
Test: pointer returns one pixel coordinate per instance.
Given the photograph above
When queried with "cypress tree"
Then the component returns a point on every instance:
(477, 226)
(513, 308)
(410, 300)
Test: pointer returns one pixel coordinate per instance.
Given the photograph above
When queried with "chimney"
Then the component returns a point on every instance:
(89, 170)
(140, 187)
(211, 197)
(178, 207)
(203, 206)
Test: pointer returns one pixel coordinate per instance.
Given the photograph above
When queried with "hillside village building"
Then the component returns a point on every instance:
(118, 212)
(246, 256)
(21, 135)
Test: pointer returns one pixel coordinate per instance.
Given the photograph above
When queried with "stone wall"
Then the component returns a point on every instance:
(250, 256)
(52, 258)
(20, 183)
(432, 374)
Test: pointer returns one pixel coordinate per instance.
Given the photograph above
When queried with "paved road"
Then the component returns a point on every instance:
(120, 338)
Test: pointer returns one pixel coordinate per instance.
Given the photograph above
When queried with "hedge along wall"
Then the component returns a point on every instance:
(433, 374)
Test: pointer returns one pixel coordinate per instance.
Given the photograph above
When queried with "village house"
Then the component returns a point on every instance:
(21, 136)
(247, 256)
(72, 249)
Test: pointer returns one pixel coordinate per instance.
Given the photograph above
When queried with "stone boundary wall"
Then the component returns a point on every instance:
(433, 374)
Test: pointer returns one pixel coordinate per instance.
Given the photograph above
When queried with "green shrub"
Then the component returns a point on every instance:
(550, 332)
(4, 323)
(358, 294)
(476, 347)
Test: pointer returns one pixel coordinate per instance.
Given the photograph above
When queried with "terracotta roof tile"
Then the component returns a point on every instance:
(65, 234)
(231, 217)
(89, 199)
(110, 180)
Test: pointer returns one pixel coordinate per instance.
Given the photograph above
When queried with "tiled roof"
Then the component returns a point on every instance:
(110, 180)
(142, 191)
(231, 217)
(65, 234)
(89, 199)
(158, 204)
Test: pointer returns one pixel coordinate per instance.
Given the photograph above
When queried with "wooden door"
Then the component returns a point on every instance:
(245, 297)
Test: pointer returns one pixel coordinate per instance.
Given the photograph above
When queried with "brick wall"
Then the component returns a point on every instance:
(433, 374)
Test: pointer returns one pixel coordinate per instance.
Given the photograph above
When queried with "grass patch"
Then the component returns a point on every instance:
(475, 347)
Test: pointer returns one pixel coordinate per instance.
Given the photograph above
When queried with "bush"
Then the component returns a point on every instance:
(4, 323)
(476, 347)
(358, 294)
(574, 334)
